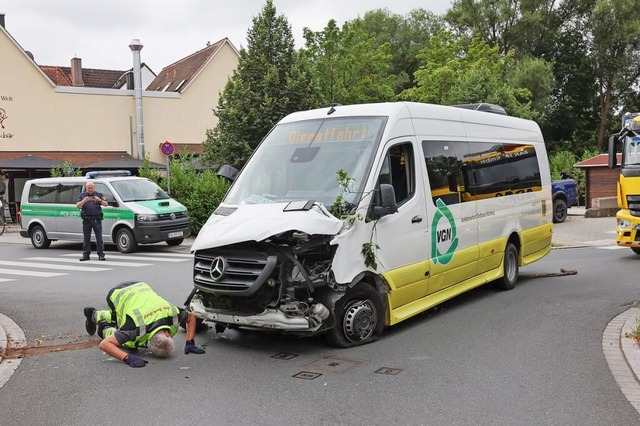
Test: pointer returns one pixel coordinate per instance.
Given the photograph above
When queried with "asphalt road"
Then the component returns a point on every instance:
(531, 356)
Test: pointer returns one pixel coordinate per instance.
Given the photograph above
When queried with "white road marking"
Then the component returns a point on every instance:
(88, 262)
(29, 273)
(4, 280)
(48, 266)
(144, 258)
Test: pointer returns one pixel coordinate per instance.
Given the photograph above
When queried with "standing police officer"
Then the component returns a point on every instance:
(90, 203)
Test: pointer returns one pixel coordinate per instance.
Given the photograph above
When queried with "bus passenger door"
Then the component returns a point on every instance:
(453, 233)
(402, 236)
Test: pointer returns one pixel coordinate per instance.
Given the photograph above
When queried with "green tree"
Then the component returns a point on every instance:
(615, 51)
(269, 83)
(347, 66)
(65, 168)
(457, 70)
(406, 35)
(200, 191)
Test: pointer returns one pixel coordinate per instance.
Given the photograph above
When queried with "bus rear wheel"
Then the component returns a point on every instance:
(636, 250)
(510, 268)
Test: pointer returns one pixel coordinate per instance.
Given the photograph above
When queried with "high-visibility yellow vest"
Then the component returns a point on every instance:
(150, 313)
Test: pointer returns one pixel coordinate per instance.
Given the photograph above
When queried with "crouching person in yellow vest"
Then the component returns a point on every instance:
(138, 317)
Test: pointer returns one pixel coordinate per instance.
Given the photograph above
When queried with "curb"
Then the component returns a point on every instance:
(623, 355)
(11, 336)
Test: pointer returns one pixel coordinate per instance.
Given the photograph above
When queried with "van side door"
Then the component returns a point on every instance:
(453, 234)
(69, 221)
(110, 215)
(402, 236)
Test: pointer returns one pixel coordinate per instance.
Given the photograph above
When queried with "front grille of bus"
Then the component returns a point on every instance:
(246, 271)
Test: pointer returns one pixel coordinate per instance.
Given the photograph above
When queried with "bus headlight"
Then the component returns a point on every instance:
(624, 224)
(146, 217)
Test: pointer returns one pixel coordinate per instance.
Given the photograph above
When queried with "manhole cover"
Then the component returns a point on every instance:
(284, 356)
(307, 375)
(333, 364)
(389, 371)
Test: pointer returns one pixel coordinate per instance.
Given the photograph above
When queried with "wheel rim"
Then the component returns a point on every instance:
(38, 237)
(510, 266)
(360, 320)
(561, 210)
(124, 241)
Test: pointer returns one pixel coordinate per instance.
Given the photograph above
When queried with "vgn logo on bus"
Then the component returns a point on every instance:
(443, 234)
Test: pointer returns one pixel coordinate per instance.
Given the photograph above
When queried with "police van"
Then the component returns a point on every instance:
(138, 211)
(352, 218)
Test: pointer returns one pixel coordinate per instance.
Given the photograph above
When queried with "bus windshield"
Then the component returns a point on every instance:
(300, 160)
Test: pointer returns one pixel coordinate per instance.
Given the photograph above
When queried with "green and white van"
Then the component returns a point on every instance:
(139, 211)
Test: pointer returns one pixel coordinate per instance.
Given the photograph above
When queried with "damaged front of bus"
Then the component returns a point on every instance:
(273, 256)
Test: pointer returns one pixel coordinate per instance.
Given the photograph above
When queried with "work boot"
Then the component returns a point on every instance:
(89, 322)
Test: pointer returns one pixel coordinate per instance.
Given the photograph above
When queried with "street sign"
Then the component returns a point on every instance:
(167, 148)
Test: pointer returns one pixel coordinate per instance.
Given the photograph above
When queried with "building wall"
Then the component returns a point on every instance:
(601, 182)
(42, 117)
(187, 119)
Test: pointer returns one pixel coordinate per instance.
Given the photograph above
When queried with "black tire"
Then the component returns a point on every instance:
(126, 241)
(175, 242)
(636, 250)
(559, 210)
(359, 318)
(39, 238)
(510, 268)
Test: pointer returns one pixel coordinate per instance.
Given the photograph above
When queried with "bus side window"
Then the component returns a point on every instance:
(398, 171)
(445, 163)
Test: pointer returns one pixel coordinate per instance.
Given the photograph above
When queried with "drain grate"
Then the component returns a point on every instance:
(284, 356)
(307, 375)
(333, 364)
(388, 371)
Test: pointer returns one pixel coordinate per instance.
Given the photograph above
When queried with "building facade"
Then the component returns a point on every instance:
(51, 114)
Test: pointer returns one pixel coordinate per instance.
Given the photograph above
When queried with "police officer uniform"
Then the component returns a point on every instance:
(91, 214)
(136, 313)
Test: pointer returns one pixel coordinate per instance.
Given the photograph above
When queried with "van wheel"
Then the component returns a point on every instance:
(510, 265)
(126, 241)
(636, 250)
(39, 238)
(175, 242)
(359, 318)
(559, 210)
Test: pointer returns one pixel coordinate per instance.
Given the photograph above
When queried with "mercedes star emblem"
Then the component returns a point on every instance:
(218, 268)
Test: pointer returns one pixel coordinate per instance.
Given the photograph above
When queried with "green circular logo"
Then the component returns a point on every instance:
(443, 234)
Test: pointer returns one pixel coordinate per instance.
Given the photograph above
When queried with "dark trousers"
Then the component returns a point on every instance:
(89, 225)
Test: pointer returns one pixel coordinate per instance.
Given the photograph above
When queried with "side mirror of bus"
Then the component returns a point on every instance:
(387, 203)
(228, 172)
(613, 161)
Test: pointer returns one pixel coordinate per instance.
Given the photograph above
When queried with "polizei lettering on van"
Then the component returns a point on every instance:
(350, 219)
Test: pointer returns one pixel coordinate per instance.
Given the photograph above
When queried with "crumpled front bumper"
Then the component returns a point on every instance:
(268, 319)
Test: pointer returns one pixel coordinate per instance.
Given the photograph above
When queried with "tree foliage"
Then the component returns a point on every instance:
(64, 169)
(347, 66)
(268, 84)
(200, 191)
(456, 70)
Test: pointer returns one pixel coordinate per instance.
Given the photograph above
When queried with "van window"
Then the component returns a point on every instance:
(105, 191)
(445, 162)
(43, 193)
(136, 190)
(398, 170)
(68, 194)
(502, 169)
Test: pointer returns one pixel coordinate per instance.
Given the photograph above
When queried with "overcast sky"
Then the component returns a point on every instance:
(99, 32)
